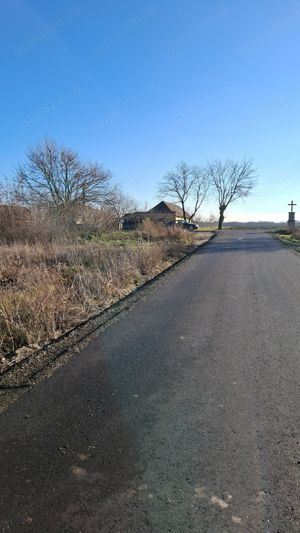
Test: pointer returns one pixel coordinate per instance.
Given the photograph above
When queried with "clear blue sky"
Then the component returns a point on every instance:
(141, 84)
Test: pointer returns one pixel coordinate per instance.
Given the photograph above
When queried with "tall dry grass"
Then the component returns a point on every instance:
(153, 231)
(46, 288)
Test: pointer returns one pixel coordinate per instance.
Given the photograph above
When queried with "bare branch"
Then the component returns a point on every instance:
(231, 180)
(187, 186)
(55, 176)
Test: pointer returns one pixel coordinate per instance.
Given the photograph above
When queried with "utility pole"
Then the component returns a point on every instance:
(291, 220)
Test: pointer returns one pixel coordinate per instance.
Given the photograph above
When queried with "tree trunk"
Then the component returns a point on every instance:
(221, 219)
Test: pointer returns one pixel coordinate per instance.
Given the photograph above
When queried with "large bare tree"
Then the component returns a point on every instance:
(55, 176)
(231, 180)
(187, 186)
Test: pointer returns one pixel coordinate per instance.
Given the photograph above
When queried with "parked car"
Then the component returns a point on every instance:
(191, 226)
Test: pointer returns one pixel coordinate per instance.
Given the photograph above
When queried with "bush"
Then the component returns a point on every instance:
(19, 224)
(283, 231)
(154, 231)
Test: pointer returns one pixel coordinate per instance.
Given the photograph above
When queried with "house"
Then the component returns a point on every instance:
(163, 213)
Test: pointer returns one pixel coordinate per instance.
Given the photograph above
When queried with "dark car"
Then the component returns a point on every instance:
(191, 226)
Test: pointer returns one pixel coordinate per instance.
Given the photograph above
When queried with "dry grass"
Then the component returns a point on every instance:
(152, 231)
(296, 234)
(46, 288)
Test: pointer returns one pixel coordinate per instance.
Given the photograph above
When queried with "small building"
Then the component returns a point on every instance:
(163, 213)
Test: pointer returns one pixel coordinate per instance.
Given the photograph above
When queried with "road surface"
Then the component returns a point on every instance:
(182, 416)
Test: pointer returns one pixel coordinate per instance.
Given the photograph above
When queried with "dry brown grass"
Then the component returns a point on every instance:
(153, 231)
(46, 288)
(296, 234)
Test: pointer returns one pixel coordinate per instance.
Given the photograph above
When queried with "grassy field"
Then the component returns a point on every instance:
(47, 288)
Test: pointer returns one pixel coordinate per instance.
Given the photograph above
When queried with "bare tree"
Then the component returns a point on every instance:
(120, 203)
(231, 180)
(199, 190)
(54, 176)
(6, 192)
(187, 186)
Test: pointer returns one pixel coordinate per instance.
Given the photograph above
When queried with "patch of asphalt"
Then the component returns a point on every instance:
(24, 374)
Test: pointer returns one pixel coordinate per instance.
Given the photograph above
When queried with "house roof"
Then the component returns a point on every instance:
(167, 207)
(161, 208)
(135, 214)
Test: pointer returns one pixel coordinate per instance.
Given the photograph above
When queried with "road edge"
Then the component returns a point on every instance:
(23, 374)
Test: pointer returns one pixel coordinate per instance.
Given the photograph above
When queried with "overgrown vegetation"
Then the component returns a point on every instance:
(48, 285)
(291, 239)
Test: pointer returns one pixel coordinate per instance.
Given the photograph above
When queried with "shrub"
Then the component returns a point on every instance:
(283, 231)
(154, 231)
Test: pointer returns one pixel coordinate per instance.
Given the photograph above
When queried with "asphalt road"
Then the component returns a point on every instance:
(182, 416)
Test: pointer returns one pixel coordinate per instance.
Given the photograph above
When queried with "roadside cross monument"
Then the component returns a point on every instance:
(291, 220)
